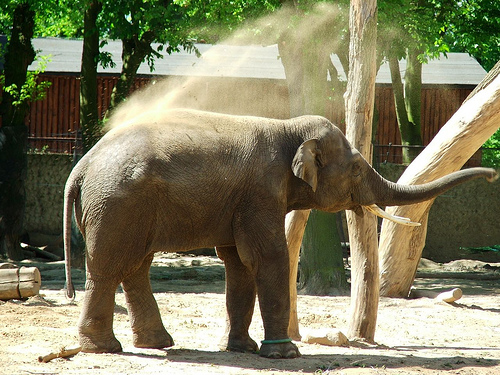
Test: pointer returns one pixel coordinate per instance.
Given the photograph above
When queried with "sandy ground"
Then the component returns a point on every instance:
(420, 336)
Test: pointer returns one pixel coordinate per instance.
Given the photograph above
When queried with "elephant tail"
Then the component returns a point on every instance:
(71, 191)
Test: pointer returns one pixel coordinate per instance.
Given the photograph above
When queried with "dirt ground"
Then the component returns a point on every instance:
(419, 336)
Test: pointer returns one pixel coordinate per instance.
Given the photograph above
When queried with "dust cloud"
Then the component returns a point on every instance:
(227, 93)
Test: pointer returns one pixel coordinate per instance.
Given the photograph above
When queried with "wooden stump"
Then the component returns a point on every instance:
(18, 283)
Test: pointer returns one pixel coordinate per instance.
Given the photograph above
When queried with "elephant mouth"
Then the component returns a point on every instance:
(376, 210)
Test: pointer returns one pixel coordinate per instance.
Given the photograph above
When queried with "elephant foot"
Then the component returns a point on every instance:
(153, 340)
(242, 345)
(93, 345)
(279, 349)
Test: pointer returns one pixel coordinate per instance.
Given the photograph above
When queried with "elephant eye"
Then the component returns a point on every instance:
(356, 170)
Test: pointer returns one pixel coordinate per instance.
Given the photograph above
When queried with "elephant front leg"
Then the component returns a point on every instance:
(145, 318)
(95, 327)
(274, 301)
(263, 250)
(240, 302)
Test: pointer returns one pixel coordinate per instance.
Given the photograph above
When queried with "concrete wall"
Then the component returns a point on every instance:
(47, 174)
(467, 216)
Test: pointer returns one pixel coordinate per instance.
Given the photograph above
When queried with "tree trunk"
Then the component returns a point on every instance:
(307, 66)
(360, 96)
(134, 51)
(413, 94)
(306, 74)
(89, 116)
(407, 101)
(413, 102)
(293, 64)
(322, 272)
(315, 78)
(474, 122)
(399, 105)
(14, 134)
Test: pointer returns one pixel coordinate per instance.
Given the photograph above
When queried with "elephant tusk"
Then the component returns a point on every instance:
(376, 210)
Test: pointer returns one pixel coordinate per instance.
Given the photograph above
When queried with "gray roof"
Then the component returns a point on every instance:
(244, 61)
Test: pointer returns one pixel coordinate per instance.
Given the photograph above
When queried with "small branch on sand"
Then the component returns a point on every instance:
(63, 353)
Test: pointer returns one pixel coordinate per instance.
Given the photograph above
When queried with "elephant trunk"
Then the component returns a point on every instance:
(387, 193)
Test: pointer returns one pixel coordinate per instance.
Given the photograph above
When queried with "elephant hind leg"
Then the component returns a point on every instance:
(95, 326)
(147, 326)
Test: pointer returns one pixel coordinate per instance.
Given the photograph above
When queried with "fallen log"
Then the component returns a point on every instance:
(448, 296)
(63, 353)
(18, 283)
(41, 252)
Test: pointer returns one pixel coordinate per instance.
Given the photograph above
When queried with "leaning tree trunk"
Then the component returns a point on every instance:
(359, 114)
(14, 133)
(474, 122)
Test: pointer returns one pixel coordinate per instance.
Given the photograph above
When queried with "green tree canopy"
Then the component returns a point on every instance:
(471, 26)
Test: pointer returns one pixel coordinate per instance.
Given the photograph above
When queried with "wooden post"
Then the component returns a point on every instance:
(360, 96)
(474, 122)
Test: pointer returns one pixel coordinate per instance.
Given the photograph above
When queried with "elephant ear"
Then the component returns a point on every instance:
(306, 162)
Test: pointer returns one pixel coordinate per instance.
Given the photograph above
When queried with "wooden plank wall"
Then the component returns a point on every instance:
(54, 121)
(438, 105)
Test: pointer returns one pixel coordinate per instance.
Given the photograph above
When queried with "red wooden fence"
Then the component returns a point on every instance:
(54, 121)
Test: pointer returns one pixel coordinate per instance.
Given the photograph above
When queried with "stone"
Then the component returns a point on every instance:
(329, 337)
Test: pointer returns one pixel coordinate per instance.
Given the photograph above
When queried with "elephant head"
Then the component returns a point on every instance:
(340, 178)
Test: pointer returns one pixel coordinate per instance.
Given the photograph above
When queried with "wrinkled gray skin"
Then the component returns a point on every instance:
(200, 179)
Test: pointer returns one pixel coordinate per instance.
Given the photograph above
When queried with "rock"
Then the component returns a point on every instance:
(428, 264)
(329, 337)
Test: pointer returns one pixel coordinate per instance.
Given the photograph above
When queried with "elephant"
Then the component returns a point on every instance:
(190, 179)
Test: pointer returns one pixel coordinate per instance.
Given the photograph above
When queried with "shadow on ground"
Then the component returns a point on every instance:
(313, 363)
